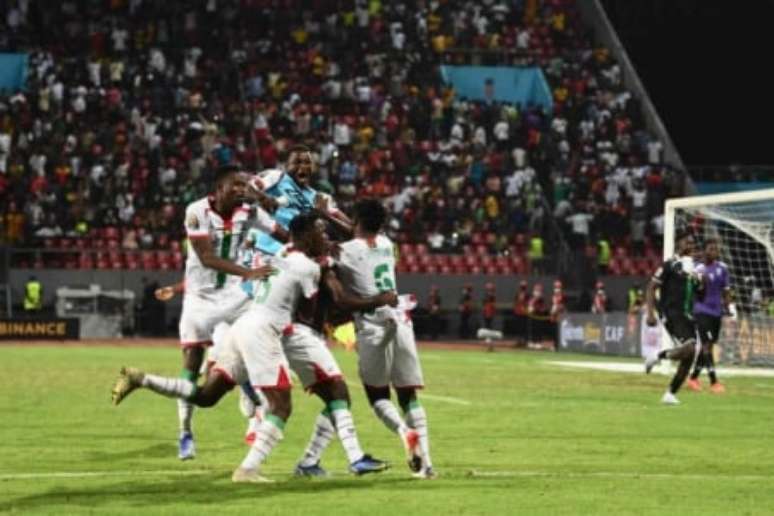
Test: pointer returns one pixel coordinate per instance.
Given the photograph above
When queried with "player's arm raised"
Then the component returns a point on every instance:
(329, 212)
(347, 301)
(203, 249)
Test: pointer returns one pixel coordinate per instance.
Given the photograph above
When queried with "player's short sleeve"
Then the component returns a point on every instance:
(724, 275)
(310, 281)
(263, 221)
(196, 224)
(266, 179)
(346, 255)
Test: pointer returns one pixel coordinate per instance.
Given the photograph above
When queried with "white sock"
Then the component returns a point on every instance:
(322, 435)
(390, 416)
(267, 436)
(172, 387)
(345, 427)
(185, 412)
(417, 419)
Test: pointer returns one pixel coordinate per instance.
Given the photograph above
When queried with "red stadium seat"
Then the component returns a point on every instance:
(446, 270)
(482, 250)
(406, 249)
(422, 249)
(491, 270)
(164, 260)
(414, 268)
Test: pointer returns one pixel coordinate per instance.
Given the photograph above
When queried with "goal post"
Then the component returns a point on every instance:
(743, 225)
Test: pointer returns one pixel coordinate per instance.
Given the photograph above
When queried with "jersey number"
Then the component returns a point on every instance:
(383, 278)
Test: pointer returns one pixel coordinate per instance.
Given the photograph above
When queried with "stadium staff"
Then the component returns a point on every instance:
(33, 295)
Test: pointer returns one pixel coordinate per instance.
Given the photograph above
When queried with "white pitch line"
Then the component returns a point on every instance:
(614, 474)
(88, 474)
(446, 399)
(633, 367)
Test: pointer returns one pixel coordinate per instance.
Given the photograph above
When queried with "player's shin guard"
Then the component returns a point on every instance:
(322, 435)
(267, 436)
(345, 428)
(417, 419)
(389, 415)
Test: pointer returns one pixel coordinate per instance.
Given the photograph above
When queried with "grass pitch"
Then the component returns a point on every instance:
(510, 434)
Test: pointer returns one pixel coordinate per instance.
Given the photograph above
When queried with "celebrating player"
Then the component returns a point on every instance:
(677, 282)
(214, 225)
(288, 193)
(253, 348)
(708, 312)
(387, 353)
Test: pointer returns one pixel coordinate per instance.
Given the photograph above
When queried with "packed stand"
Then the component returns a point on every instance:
(131, 105)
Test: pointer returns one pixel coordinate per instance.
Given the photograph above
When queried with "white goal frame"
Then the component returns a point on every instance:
(698, 201)
(703, 200)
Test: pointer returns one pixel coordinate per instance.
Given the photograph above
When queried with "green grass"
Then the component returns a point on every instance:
(549, 440)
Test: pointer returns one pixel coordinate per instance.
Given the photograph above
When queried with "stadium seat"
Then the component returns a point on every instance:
(422, 249)
(446, 270)
(406, 249)
(164, 260)
(481, 250)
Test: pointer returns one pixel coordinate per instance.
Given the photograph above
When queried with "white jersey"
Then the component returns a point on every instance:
(367, 267)
(225, 234)
(296, 276)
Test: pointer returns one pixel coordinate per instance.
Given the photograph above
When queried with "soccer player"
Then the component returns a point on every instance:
(253, 348)
(677, 282)
(312, 361)
(215, 226)
(387, 352)
(289, 193)
(708, 312)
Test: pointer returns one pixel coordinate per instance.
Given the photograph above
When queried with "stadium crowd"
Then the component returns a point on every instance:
(130, 106)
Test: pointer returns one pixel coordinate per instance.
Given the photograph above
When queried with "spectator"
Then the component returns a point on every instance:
(33, 296)
(434, 309)
(466, 309)
(535, 254)
(489, 305)
(599, 303)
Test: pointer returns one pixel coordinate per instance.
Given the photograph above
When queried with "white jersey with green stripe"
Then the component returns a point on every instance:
(226, 233)
(367, 266)
(296, 276)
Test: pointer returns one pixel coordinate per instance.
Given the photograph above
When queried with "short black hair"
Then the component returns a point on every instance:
(224, 171)
(302, 224)
(298, 148)
(370, 213)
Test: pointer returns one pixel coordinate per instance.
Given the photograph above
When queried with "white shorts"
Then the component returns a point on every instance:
(387, 353)
(201, 314)
(252, 350)
(309, 356)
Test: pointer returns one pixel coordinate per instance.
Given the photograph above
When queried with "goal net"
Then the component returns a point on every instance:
(743, 226)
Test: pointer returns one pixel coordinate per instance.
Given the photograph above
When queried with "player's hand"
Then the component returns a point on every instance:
(651, 320)
(389, 298)
(321, 203)
(270, 204)
(262, 272)
(164, 293)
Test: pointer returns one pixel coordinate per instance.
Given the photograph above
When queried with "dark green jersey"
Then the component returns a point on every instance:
(677, 286)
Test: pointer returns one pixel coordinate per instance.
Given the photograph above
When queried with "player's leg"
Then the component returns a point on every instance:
(407, 377)
(312, 361)
(715, 386)
(705, 333)
(683, 331)
(375, 342)
(196, 325)
(214, 388)
(259, 344)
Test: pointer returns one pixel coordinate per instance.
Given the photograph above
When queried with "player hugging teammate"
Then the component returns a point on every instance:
(276, 321)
